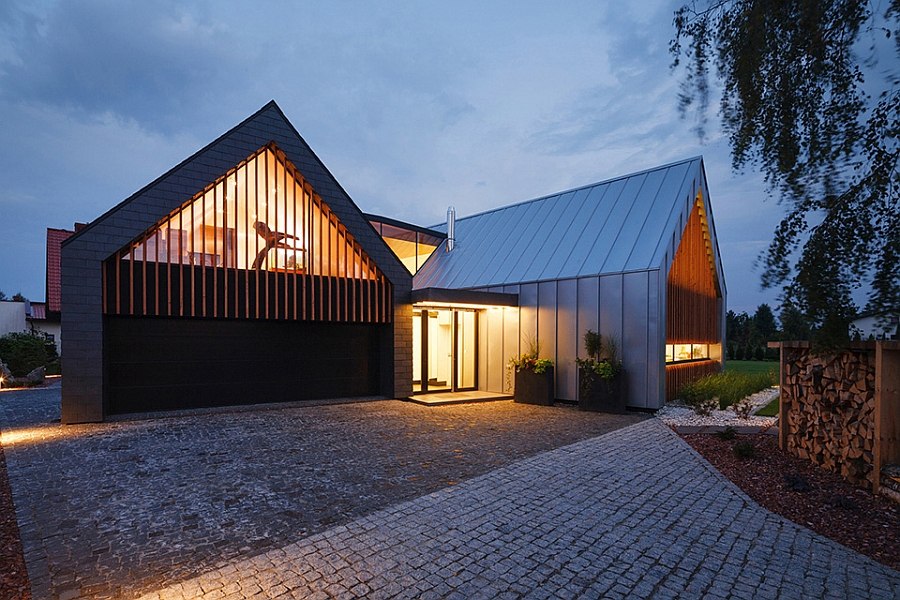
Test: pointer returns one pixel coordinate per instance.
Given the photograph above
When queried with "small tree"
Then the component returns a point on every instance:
(805, 104)
(18, 297)
(794, 325)
(764, 322)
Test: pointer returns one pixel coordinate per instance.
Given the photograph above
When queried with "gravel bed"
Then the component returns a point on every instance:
(679, 415)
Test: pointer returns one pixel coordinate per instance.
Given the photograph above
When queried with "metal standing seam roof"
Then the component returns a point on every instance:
(614, 226)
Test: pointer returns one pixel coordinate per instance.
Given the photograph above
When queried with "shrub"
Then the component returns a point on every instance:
(744, 449)
(739, 353)
(24, 352)
(602, 360)
(593, 344)
(729, 433)
(528, 361)
(705, 406)
(759, 353)
(742, 408)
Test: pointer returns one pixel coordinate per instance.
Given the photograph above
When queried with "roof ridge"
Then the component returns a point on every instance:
(575, 189)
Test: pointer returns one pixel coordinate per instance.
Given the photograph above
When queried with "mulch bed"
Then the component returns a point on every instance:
(808, 495)
(13, 575)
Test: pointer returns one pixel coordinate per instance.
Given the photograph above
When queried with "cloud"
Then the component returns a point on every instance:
(413, 106)
(150, 62)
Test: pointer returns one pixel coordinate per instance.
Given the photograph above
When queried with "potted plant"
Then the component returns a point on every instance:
(601, 378)
(534, 377)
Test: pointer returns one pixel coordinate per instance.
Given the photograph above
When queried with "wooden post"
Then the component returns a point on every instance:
(887, 409)
(782, 410)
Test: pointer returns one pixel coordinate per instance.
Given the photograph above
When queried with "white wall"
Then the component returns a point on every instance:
(53, 329)
(876, 326)
(12, 317)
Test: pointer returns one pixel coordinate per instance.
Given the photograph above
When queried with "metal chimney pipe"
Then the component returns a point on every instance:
(451, 228)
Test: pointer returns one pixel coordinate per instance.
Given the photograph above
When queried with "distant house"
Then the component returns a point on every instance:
(881, 325)
(12, 317)
(247, 274)
(45, 317)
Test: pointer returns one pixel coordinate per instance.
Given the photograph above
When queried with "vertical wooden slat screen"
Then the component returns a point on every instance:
(692, 294)
(692, 300)
(296, 260)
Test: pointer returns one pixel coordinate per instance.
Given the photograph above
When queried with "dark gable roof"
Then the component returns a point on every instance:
(620, 225)
(140, 211)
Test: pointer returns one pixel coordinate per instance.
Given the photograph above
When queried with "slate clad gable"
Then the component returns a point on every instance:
(84, 252)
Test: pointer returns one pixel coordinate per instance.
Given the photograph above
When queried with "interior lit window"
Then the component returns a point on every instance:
(686, 352)
(411, 246)
(259, 216)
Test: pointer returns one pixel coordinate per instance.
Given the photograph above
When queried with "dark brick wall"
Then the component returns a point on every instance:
(82, 323)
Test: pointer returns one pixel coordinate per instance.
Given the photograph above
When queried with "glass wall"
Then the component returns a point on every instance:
(262, 216)
(411, 245)
(444, 349)
(686, 352)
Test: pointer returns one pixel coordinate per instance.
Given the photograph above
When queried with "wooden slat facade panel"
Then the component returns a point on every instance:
(163, 297)
(679, 374)
(691, 295)
(258, 243)
(692, 301)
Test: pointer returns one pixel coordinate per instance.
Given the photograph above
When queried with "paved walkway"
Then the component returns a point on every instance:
(631, 514)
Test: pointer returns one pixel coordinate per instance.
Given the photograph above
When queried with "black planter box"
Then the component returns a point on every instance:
(603, 395)
(535, 388)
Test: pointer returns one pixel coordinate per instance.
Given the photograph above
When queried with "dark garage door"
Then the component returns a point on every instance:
(164, 364)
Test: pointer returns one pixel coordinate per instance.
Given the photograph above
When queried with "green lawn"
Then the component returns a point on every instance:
(751, 366)
(757, 366)
(770, 409)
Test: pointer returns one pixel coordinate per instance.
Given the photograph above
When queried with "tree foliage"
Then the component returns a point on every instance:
(23, 352)
(805, 101)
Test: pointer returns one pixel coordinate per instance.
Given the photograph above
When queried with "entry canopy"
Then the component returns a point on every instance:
(462, 298)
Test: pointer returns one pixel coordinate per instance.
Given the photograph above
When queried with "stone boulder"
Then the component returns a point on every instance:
(37, 375)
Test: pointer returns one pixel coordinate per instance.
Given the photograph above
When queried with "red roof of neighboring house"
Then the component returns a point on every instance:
(38, 311)
(55, 238)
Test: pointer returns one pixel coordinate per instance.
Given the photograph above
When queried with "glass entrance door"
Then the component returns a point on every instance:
(444, 350)
(465, 350)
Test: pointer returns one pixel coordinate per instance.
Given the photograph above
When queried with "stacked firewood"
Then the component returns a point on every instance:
(829, 404)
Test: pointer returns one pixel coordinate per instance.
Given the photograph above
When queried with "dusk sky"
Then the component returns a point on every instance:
(413, 106)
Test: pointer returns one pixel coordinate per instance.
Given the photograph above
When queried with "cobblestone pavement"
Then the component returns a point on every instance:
(631, 514)
(119, 509)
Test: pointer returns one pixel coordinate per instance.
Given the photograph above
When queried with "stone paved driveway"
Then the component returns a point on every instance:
(119, 509)
(631, 514)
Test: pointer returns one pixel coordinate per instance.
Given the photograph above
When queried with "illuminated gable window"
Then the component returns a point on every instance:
(262, 215)
(411, 244)
(256, 243)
